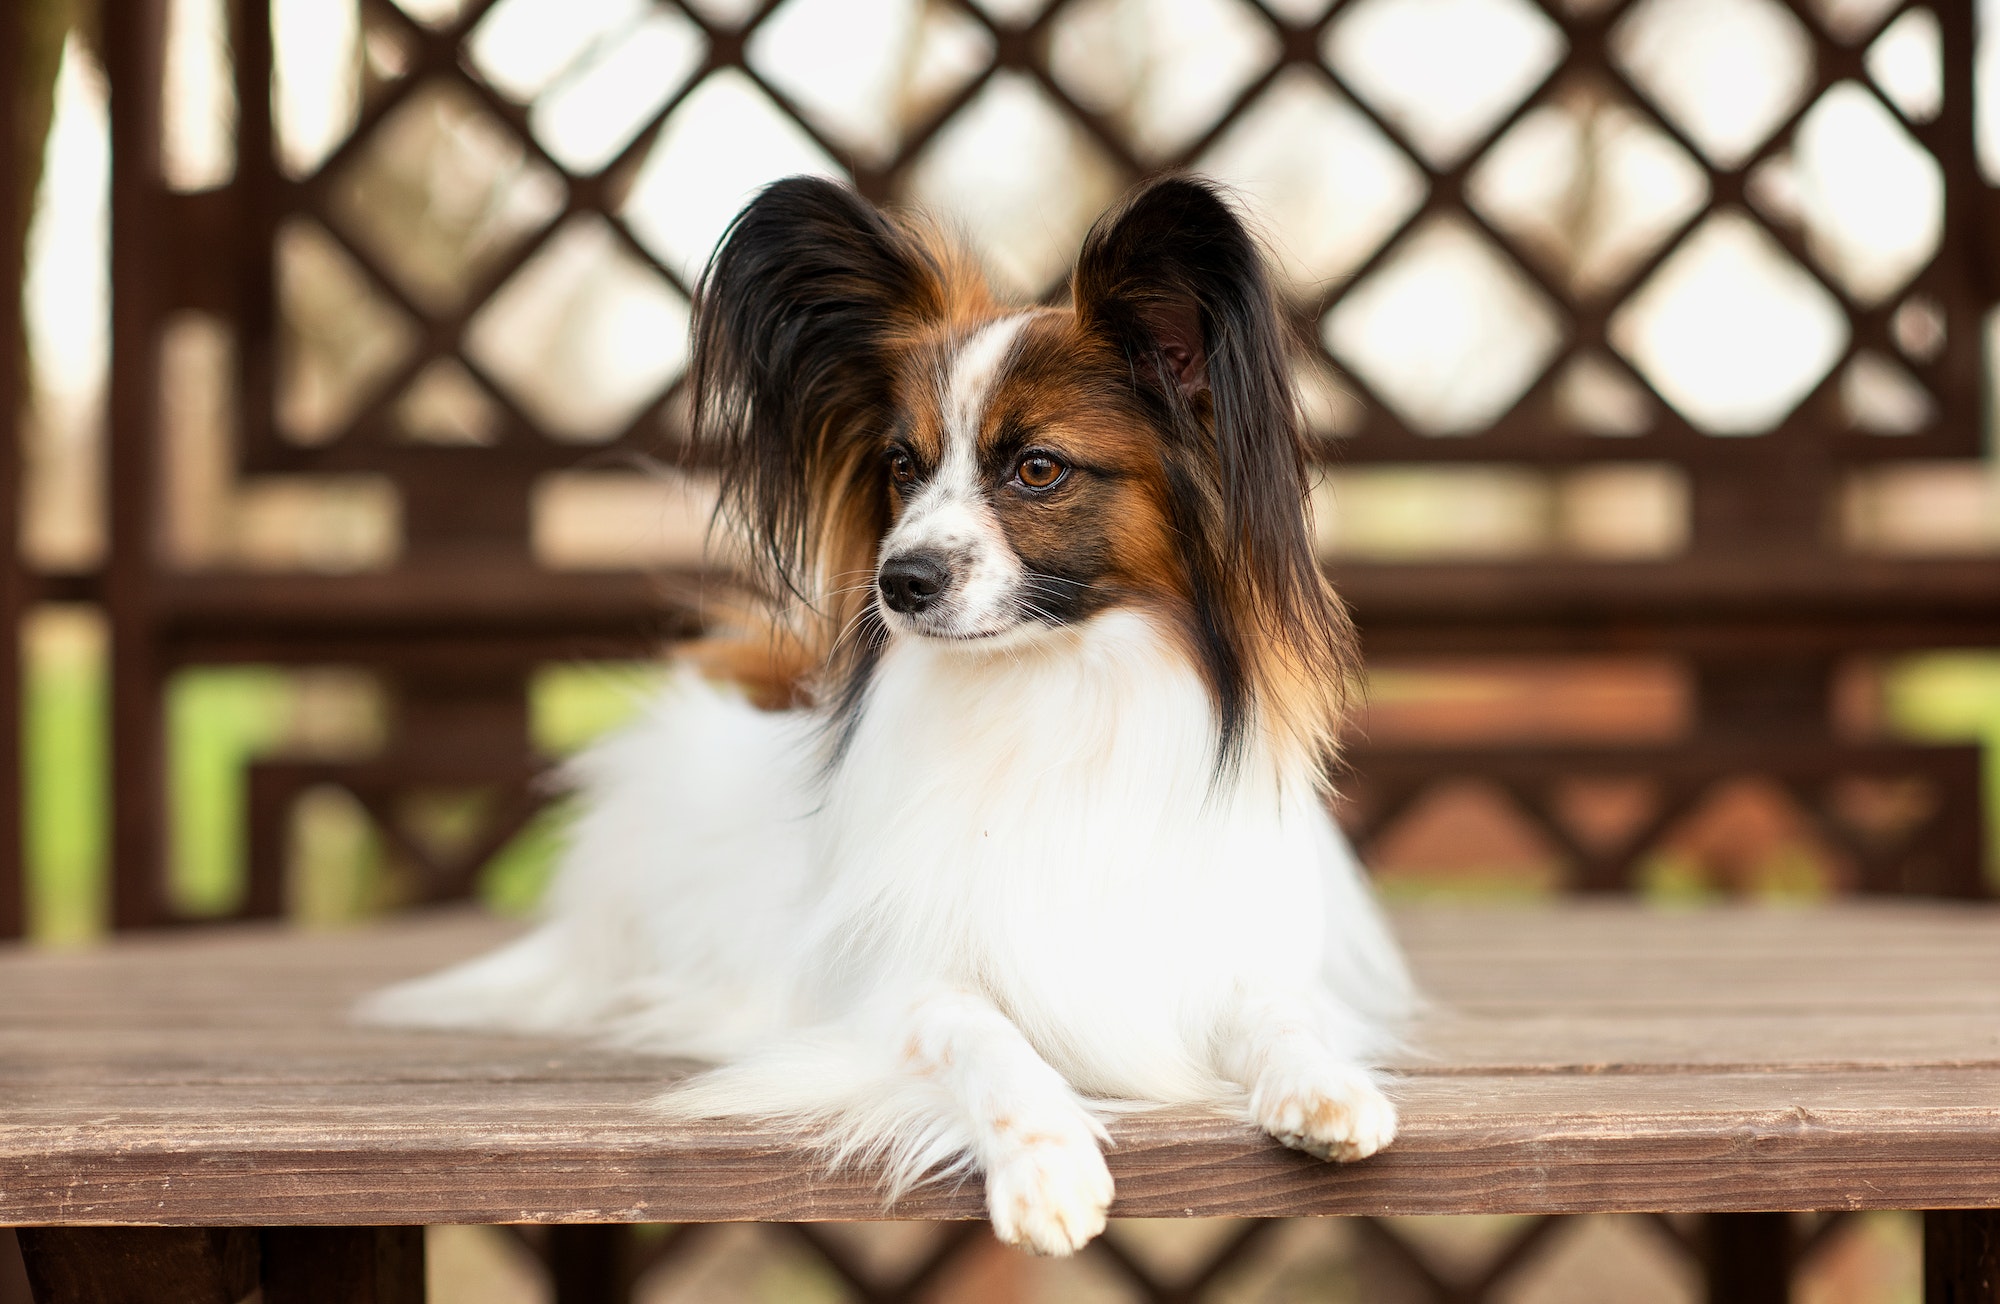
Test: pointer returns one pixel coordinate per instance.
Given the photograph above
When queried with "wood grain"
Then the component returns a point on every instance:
(1575, 1058)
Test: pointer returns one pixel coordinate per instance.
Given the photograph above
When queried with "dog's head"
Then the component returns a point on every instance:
(915, 460)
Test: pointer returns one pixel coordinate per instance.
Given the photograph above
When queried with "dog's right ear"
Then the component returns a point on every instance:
(791, 375)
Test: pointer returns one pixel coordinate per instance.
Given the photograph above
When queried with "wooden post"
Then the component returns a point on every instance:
(13, 1273)
(134, 46)
(14, 205)
(1962, 1256)
(588, 1263)
(343, 1265)
(160, 1265)
(1747, 1257)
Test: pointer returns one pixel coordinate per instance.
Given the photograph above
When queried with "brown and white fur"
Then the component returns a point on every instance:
(1051, 832)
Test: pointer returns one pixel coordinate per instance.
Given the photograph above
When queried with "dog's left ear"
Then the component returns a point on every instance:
(1177, 283)
(1174, 282)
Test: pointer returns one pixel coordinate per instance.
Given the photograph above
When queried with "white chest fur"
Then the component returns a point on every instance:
(1047, 825)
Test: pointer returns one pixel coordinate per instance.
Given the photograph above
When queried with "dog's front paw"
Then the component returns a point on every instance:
(1340, 1115)
(1049, 1194)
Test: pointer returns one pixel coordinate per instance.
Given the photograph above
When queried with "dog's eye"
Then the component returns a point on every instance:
(902, 467)
(1039, 471)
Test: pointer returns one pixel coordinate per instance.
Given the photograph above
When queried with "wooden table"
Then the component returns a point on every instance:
(1580, 1057)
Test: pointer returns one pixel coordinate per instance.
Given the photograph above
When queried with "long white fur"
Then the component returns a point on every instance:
(1021, 891)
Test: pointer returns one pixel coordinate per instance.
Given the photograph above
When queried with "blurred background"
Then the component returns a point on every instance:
(1647, 344)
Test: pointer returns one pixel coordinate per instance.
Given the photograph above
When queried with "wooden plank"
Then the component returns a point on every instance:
(252, 1005)
(1483, 961)
(588, 1152)
(213, 1080)
(1831, 958)
(1462, 1042)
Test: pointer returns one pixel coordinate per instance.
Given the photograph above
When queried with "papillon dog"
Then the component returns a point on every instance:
(1049, 829)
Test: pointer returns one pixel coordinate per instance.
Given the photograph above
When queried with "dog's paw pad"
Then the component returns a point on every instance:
(1049, 1195)
(1341, 1118)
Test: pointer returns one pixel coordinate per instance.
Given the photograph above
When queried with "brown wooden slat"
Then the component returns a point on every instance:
(133, 53)
(1695, 603)
(15, 171)
(1929, 952)
(458, 599)
(1504, 1144)
(1543, 606)
(211, 1079)
(1476, 966)
(266, 1054)
(1731, 988)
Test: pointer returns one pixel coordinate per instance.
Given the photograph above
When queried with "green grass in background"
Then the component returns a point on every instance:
(66, 778)
(569, 705)
(1954, 697)
(217, 719)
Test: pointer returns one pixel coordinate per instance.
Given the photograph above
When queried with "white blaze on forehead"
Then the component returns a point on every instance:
(950, 515)
(968, 387)
(965, 388)
(974, 369)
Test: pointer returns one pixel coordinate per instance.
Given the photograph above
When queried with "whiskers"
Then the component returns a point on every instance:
(1039, 591)
(851, 592)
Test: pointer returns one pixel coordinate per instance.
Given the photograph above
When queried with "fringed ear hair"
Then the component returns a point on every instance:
(1172, 277)
(790, 374)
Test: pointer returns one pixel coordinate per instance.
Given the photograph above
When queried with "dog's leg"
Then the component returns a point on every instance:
(1047, 1187)
(1301, 1091)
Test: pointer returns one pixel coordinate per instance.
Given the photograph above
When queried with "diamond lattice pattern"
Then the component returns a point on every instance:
(1482, 223)
(1732, 331)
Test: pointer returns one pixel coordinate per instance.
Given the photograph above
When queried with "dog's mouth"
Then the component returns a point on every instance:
(940, 632)
(975, 636)
(965, 636)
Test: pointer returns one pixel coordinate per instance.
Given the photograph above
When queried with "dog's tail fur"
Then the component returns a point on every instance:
(663, 849)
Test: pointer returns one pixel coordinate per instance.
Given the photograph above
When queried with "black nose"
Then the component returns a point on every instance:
(912, 583)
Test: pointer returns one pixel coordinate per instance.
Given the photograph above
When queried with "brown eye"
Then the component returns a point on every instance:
(1039, 471)
(902, 469)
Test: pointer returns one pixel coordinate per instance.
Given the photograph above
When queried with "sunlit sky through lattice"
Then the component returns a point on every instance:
(1022, 181)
